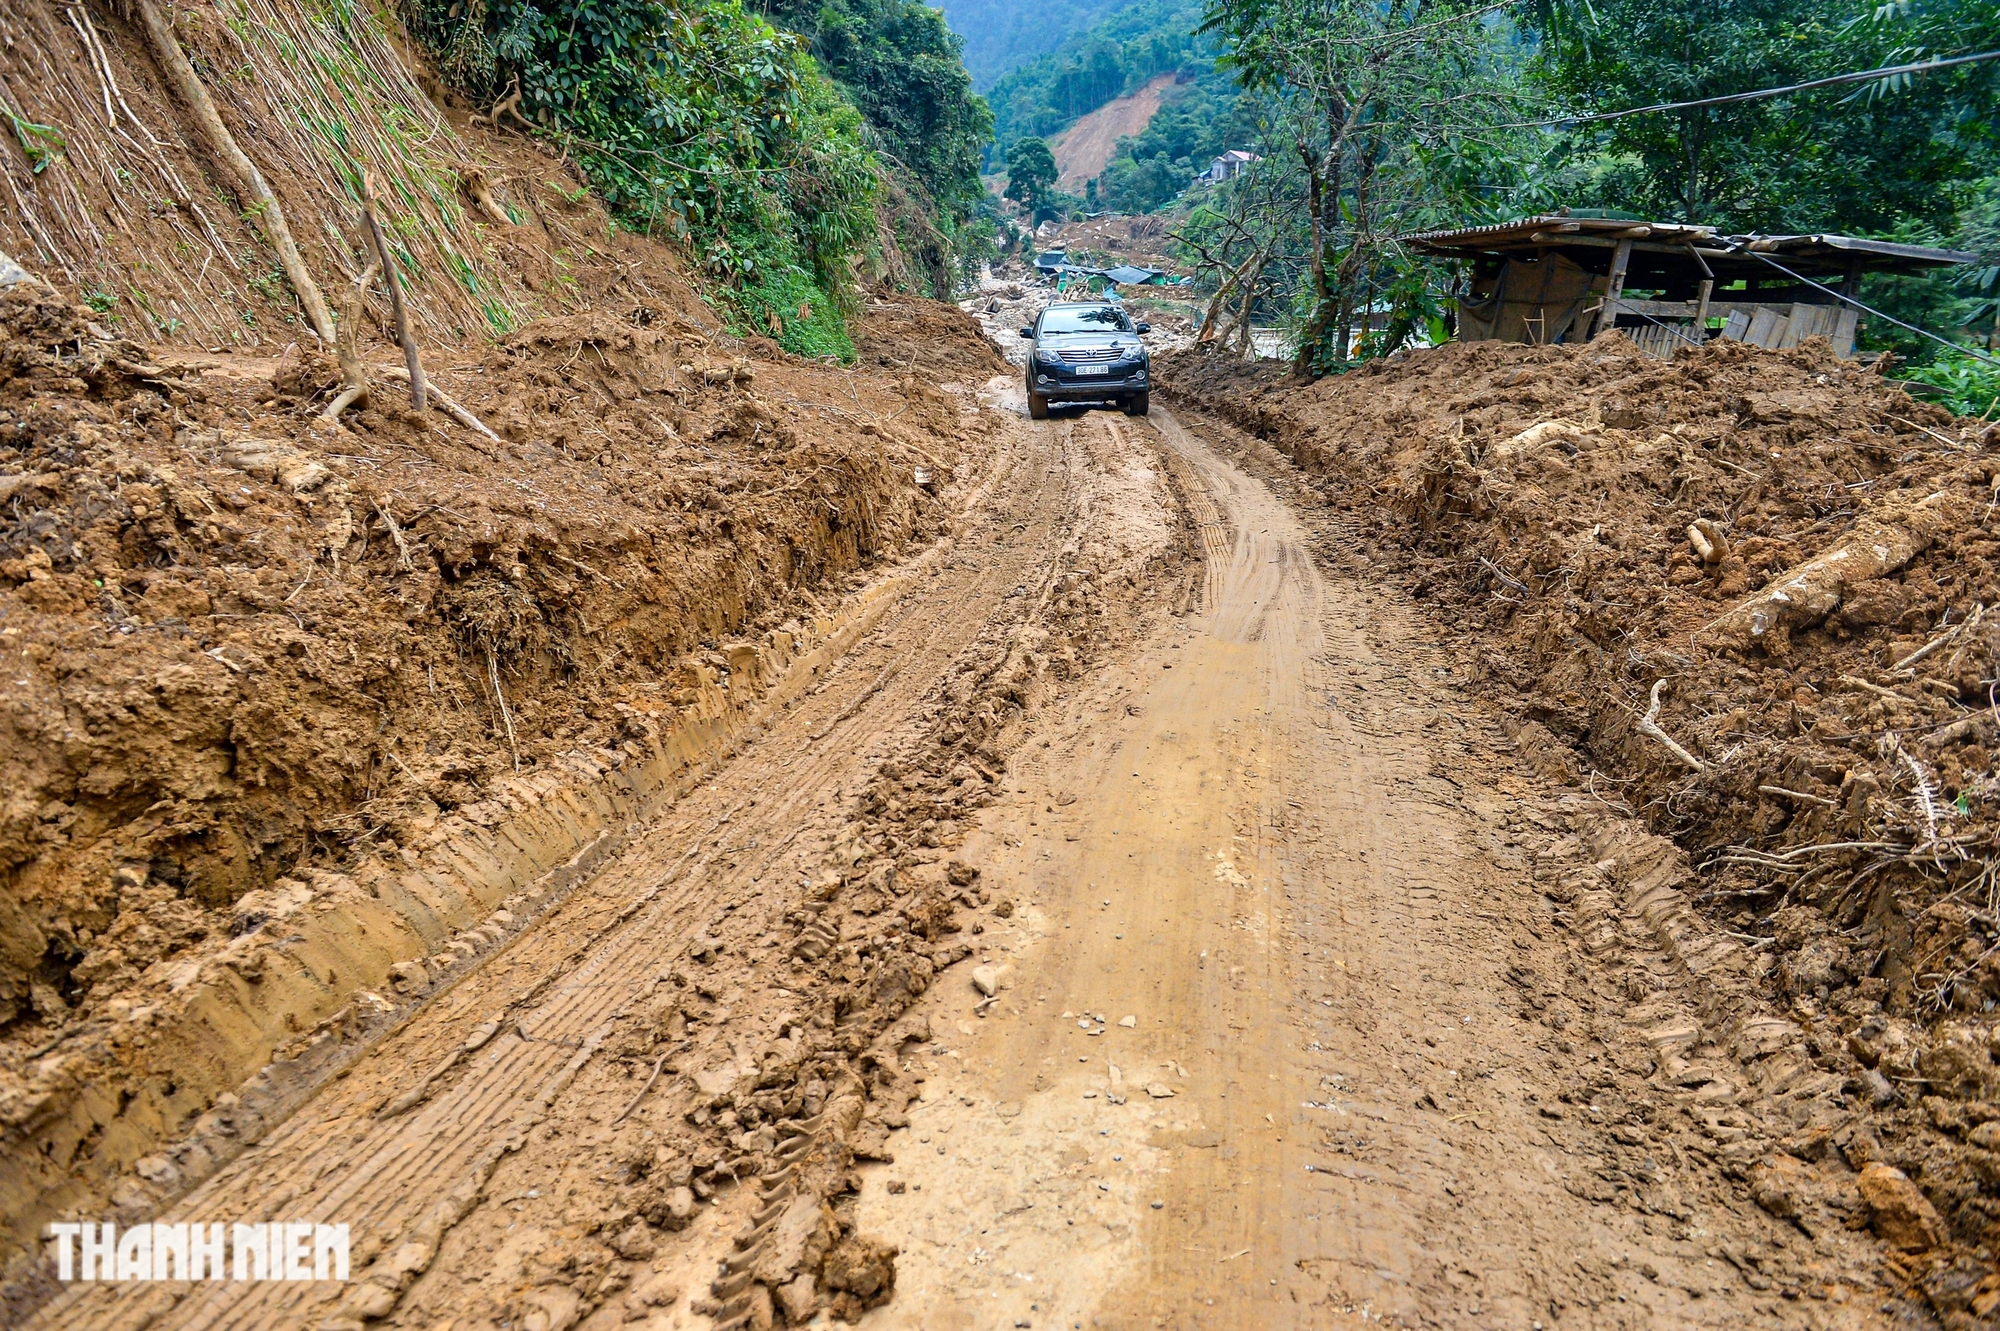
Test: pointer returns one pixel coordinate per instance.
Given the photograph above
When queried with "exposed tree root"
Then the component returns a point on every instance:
(353, 374)
(477, 188)
(1649, 725)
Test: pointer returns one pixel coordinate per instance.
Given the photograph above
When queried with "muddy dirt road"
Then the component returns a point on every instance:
(1287, 993)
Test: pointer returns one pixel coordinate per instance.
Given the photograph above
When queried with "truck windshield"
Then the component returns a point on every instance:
(1085, 319)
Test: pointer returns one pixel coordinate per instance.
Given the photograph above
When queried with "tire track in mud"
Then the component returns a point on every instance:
(1412, 1036)
(1320, 1008)
(515, 1071)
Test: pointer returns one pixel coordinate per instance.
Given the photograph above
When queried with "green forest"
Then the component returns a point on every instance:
(1373, 121)
(781, 142)
(1002, 35)
(777, 145)
(1106, 60)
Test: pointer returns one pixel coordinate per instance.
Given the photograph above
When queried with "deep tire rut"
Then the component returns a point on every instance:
(1295, 995)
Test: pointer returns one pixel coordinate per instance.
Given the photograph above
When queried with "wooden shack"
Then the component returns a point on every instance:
(1565, 277)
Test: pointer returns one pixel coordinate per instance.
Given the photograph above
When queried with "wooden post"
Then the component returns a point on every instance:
(1701, 311)
(1848, 320)
(1851, 288)
(1607, 318)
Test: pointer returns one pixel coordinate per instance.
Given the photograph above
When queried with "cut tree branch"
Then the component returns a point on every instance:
(402, 315)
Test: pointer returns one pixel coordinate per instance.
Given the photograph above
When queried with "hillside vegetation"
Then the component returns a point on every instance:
(709, 124)
(1089, 67)
(1001, 36)
(775, 160)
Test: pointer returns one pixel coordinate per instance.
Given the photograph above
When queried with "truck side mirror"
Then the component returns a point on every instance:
(1144, 328)
(1028, 333)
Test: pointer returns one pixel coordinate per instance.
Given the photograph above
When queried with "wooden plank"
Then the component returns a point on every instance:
(1736, 326)
(1686, 309)
(1659, 309)
(1842, 336)
(1767, 325)
(1797, 328)
(1701, 313)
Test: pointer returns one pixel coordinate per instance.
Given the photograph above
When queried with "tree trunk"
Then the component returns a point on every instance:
(1245, 343)
(1323, 177)
(1215, 304)
(1315, 190)
(257, 195)
(1347, 275)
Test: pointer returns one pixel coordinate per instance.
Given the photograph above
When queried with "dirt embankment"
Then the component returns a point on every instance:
(247, 650)
(1749, 596)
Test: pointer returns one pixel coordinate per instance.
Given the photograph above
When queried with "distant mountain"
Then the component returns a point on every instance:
(1120, 51)
(1002, 35)
(1133, 105)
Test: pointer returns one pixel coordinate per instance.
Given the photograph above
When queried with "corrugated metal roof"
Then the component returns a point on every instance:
(1551, 230)
(1862, 244)
(1561, 224)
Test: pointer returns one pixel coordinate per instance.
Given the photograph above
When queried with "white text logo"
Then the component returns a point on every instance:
(273, 1251)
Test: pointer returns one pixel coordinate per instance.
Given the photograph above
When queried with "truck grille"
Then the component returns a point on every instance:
(1090, 355)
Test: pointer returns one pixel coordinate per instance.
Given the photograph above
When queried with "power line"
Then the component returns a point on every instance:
(1955, 346)
(1862, 76)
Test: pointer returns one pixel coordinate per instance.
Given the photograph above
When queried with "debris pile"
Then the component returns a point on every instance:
(247, 646)
(1750, 597)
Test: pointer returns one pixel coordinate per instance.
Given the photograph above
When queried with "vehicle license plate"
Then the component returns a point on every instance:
(1093, 369)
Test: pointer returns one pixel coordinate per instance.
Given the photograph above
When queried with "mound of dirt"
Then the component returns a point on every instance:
(926, 339)
(246, 645)
(1749, 596)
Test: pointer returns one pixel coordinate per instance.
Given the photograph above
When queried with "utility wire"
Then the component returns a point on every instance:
(1955, 346)
(1862, 76)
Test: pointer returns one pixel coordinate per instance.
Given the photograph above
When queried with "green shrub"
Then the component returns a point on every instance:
(703, 123)
(1966, 385)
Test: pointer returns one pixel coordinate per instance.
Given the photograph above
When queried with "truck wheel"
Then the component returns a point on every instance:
(1038, 406)
(1138, 404)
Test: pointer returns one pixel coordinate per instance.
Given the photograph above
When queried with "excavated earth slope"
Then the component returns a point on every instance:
(286, 705)
(1745, 597)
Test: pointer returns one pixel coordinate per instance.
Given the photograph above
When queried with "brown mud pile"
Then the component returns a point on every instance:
(890, 909)
(248, 651)
(1748, 596)
(710, 1030)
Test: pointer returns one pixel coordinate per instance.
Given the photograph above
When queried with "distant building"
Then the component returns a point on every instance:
(1229, 165)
